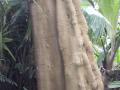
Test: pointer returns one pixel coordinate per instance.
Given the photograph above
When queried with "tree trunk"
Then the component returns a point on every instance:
(62, 48)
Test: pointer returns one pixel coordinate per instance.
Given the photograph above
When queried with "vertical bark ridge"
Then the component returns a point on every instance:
(87, 43)
(76, 48)
(64, 37)
(74, 14)
(63, 50)
(76, 44)
(46, 46)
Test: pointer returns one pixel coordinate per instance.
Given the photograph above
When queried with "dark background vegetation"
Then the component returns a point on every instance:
(17, 68)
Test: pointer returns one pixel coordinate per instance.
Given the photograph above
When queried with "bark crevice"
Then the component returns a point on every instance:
(63, 51)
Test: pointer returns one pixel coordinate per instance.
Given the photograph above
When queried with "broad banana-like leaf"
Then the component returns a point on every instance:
(110, 9)
(97, 23)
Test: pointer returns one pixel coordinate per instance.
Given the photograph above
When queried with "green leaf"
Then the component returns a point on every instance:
(110, 9)
(7, 49)
(85, 3)
(114, 84)
(117, 58)
(7, 40)
(97, 25)
(3, 78)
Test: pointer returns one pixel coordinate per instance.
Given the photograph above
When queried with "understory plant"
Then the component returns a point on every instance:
(104, 30)
(16, 53)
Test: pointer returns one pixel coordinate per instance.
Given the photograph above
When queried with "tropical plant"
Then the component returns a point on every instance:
(16, 36)
(104, 32)
(4, 79)
(108, 33)
(98, 28)
(4, 31)
(110, 9)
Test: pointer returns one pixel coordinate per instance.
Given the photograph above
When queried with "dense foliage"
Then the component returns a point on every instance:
(17, 68)
(103, 20)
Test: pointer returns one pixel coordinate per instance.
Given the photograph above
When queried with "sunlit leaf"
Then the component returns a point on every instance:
(110, 9)
(114, 84)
